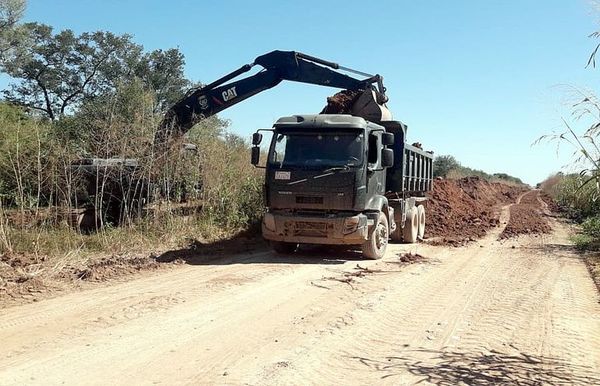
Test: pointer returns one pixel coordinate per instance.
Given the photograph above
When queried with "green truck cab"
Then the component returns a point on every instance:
(341, 180)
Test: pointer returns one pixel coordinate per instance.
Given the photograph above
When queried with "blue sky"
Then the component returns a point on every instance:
(480, 80)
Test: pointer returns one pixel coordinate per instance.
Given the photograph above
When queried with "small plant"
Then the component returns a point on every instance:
(591, 227)
(583, 242)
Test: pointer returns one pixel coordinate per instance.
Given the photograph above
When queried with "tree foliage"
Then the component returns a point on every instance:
(56, 72)
(11, 12)
(443, 164)
(162, 72)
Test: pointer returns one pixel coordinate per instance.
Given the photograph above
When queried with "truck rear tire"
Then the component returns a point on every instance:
(283, 248)
(374, 247)
(421, 215)
(411, 226)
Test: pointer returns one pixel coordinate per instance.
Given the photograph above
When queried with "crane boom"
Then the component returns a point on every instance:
(277, 66)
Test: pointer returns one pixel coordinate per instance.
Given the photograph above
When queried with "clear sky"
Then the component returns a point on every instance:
(480, 80)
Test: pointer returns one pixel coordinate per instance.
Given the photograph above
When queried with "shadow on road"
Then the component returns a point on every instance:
(489, 368)
(252, 249)
(554, 250)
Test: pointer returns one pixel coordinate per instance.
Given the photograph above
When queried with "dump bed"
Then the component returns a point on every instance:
(412, 173)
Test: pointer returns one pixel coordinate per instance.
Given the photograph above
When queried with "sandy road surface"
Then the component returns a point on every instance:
(515, 312)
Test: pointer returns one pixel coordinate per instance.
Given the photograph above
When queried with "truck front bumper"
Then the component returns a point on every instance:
(339, 230)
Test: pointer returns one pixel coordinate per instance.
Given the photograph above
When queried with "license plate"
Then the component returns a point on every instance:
(283, 175)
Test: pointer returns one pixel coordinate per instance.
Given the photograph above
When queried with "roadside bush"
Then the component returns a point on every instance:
(23, 159)
(577, 200)
(589, 236)
(231, 186)
(36, 179)
(444, 164)
(591, 227)
(584, 242)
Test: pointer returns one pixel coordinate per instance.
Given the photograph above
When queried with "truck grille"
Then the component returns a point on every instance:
(309, 200)
(310, 229)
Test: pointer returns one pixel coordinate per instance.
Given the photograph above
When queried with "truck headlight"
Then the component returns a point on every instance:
(351, 224)
(269, 222)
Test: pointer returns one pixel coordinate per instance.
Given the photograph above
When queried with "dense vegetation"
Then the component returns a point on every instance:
(100, 95)
(578, 194)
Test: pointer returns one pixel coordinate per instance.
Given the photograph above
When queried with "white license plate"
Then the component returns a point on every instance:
(282, 175)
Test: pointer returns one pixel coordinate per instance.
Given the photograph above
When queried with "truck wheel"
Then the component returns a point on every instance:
(421, 215)
(283, 248)
(375, 246)
(411, 226)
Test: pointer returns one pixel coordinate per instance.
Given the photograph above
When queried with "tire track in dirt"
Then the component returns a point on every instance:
(526, 216)
(509, 315)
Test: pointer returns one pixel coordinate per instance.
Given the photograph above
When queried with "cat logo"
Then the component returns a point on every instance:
(203, 102)
(229, 94)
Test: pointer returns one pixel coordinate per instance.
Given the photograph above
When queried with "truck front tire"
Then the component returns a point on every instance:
(374, 247)
(283, 248)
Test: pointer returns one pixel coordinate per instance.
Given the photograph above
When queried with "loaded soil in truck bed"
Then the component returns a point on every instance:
(341, 102)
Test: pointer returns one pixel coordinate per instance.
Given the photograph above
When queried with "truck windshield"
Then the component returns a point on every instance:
(317, 150)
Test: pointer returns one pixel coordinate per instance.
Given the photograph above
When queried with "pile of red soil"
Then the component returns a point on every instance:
(463, 210)
(110, 267)
(550, 202)
(526, 217)
(410, 258)
(20, 277)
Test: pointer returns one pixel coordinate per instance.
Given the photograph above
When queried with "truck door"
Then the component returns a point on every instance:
(375, 173)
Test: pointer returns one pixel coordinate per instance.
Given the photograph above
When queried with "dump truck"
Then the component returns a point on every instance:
(338, 179)
(330, 178)
(130, 188)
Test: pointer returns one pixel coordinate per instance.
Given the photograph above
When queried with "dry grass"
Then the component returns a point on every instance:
(144, 235)
(42, 260)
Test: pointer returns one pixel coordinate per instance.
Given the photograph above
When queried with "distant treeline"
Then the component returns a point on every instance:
(448, 167)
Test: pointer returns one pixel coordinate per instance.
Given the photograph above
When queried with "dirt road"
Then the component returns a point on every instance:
(516, 311)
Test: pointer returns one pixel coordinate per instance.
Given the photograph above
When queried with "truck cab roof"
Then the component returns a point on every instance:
(312, 121)
(333, 121)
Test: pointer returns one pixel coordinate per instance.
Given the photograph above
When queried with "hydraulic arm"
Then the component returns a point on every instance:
(277, 66)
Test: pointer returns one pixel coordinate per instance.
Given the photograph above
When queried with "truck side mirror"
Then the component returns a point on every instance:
(387, 139)
(387, 158)
(255, 155)
(256, 139)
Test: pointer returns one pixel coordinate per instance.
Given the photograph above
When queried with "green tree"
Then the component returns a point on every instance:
(443, 164)
(11, 12)
(55, 73)
(162, 72)
(507, 177)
